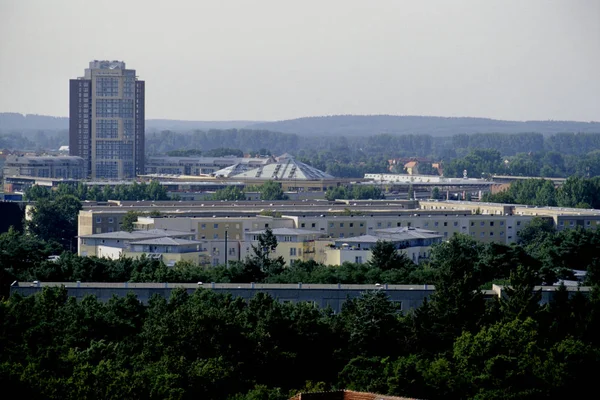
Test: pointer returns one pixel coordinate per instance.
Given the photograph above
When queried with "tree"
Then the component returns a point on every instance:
(261, 263)
(521, 300)
(372, 324)
(339, 192)
(271, 190)
(127, 223)
(230, 193)
(536, 230)
(457, 303)
(410, 192)
(435, 193)
(55, 220)
(37, 192)
(385, 256)
(366, 192)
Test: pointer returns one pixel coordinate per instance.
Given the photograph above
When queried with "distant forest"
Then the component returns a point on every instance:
(336, 125)
(344, 152)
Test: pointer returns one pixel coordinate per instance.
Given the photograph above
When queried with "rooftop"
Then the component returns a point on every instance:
(167, 241)
(11, 159)
(393, 234)
(137, 235)
(286, 167)
(288, 232)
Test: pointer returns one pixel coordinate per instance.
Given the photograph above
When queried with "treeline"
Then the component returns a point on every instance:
(365, 125)
(457, 345)
(356, 192)
(134, 192)
(485, 162)
(37, 140)
(575, 192)
(269, 190)
(528, 154)
(551, 254)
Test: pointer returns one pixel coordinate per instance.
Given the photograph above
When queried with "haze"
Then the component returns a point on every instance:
(272, 60)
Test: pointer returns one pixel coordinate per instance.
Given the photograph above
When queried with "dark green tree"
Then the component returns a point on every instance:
(271, 190)
(385, 256)
(55, 220)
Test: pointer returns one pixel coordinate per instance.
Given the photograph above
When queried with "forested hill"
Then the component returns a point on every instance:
(348, 125)
(20, 122)
(339, 125)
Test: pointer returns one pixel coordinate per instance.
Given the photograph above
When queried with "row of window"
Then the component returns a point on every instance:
(572, 223)
(113, 150)
(114, 108)
(107, 86)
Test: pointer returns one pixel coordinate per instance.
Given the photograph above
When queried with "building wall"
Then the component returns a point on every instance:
(107, 127)
(113, 253)
(80, 121)
(322, 296)
(90, 223)
(60, 167)
(340, 256)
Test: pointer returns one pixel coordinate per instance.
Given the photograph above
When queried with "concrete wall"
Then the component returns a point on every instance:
(409, 297)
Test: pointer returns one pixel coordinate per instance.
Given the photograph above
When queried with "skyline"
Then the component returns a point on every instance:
(268, 61)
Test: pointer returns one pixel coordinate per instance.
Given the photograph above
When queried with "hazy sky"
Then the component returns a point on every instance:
(278, 59)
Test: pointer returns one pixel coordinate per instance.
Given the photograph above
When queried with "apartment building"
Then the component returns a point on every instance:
(222, 227)
(107, 119)
(292, 244)
(413, 242)
(113, 244)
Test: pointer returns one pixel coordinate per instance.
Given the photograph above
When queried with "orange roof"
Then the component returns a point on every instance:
(411, 164)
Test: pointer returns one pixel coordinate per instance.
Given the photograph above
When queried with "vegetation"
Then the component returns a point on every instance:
(574, 192)
(131, 217)
(230, 193)
(213, 346)
(135, 191)
(356, 192)
(55, 220)
(269, 190)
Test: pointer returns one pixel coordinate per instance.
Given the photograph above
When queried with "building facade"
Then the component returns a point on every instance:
(106, 121)
(201, 165)
(56, 167)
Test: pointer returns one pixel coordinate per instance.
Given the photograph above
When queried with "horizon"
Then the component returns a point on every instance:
(325, 116)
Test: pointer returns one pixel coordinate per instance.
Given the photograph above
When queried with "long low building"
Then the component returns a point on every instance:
(407, 297)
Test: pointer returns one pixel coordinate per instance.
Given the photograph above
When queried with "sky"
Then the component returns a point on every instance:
(279, 59)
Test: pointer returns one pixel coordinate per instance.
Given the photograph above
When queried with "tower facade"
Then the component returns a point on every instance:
(106, 121)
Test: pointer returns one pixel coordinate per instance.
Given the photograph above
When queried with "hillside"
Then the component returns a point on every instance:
(347, 125)
(366, 125)
(14, 122)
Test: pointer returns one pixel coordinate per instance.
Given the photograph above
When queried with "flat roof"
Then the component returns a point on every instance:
(287, 231)
(167, 241)
(135, 235)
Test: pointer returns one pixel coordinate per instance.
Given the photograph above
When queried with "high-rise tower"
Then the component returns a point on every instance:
(106, 121)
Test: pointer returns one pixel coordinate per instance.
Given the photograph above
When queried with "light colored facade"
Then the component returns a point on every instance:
(413, 242)
(292, 244)
(208, 222)
(106, 120)
(102, 245)
(485, 228)
(168, 246)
